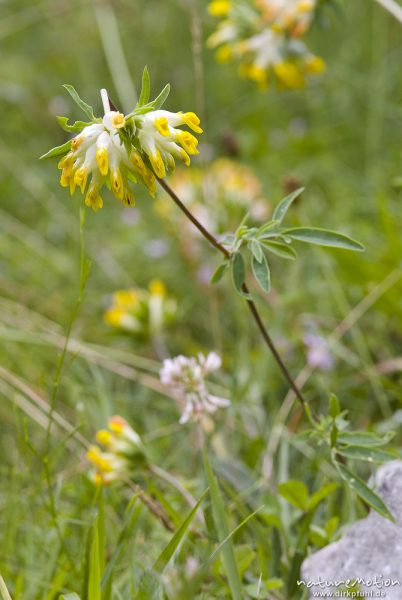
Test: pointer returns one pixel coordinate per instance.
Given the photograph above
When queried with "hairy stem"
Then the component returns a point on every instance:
(250, 303)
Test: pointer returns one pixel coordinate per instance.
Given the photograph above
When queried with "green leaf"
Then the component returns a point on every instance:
(334, 406)
(266, 229)
(323, 237)
(149, 588)
(71, 596)
(94, 572)
(256, 250)
(219, 272)
(318, 536)
(101, 527)
(57, 151)
(334, 434)
(235, 530)
(281, 250)
(262, 273)
(331, 526)
(271, 518)
(141, 110)
(274, 583)
(172, 546)
(238, 271)
(259, 591)
(366, 453)
(161, 99)
(363, 491)
(245, 555)
(131, 518)
(295, 492)
(242, 224)
(364, 438)
(321, 494)
(219, 515)
(145, 89)
(283, 206)
(75, 127)
(88, 110)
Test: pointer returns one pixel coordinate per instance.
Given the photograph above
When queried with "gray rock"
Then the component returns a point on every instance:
(370, 550)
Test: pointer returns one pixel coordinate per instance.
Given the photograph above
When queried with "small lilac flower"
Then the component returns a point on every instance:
(318, 354)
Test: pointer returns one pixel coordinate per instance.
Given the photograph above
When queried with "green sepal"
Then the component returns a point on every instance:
(161, 98)
(57, 151)
(88, 110)
(145, 89)
(77, 126)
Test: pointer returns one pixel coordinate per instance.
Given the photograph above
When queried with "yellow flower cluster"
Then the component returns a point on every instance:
(139, 311)
(263, 36)
(119, 451)
(218, 195)
(118, 150)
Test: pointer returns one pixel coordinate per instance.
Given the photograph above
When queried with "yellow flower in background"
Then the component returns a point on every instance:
(261, 38)
(219, 8)
(118, 150)
(292, 16)
(119, 453)
(142, 312)
(219, 195)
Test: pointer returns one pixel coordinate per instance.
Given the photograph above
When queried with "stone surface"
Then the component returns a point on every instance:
(371, 549)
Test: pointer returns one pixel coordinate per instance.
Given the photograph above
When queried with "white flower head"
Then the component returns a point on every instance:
(186, 377)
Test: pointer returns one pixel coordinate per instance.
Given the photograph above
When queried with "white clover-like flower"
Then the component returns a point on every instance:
(118, 150)
(186, 377)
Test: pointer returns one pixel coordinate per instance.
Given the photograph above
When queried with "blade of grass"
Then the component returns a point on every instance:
(172, 546)
(94, 568)
(133, 512)
(231, 534)
(221, 526)
(3, 590)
